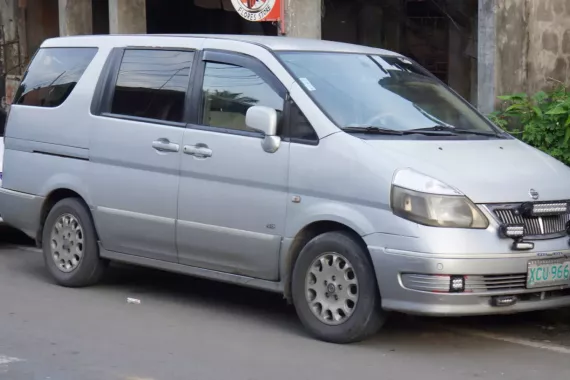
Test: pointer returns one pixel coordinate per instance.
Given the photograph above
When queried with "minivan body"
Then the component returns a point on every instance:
(1, 158)
(347, 178)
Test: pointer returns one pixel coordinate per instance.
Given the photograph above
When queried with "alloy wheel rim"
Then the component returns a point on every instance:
(67, 243)
(331, 288)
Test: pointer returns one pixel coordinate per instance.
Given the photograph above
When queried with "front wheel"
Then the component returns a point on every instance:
(70, 245)
(334, 289)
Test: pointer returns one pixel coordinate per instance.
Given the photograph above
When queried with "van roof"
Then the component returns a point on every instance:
(271, 43)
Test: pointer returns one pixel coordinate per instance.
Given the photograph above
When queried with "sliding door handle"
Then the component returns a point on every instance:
(198, 151)
(164, 145)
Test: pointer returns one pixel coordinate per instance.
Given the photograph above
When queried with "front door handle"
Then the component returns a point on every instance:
(198, 150)
(164, 145)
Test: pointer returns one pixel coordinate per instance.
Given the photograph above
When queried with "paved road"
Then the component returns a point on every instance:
(186, 328)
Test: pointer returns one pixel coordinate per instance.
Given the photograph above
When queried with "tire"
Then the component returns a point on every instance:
(365, 317)
(73, 218)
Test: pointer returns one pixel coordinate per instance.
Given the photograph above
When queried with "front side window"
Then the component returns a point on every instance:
(229, 91)
(52, 76)
(388, 92)
(152, 84)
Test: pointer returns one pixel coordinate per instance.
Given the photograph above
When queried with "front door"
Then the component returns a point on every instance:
(233, 195)
(135, 148)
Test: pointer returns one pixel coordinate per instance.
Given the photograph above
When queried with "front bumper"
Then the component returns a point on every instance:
(390, 265)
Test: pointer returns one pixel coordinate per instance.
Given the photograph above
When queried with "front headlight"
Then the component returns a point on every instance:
(430, 202)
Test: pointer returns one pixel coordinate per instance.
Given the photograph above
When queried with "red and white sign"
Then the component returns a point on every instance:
(258, 10)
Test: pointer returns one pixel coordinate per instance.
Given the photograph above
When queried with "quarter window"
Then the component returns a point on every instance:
(152, 84)
(229, 91)
(300, 126)
(52, 76)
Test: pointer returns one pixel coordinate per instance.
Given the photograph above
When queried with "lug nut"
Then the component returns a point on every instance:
(336, 298)
(326, 282)
(340, 287)
(333, 278)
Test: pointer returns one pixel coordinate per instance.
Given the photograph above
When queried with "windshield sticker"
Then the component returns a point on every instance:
(307, 84)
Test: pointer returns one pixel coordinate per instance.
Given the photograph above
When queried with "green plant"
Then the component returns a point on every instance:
(542, 120)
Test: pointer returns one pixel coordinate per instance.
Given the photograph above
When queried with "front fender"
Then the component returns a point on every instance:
(313, 210)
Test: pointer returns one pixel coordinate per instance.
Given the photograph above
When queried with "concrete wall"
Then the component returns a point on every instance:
(10, 57)
(549, 42)
(303, 18)
(533, 44)
(127, 16)
(75, 17)
(511, 63)
(11, 50)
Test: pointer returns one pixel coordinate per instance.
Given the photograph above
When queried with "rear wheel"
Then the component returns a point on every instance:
(334, 289)
(70, 245)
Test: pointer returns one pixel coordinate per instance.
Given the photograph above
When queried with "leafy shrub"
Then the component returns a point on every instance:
(542, 120)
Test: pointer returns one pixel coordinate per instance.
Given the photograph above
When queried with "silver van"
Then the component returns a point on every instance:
(347, 178)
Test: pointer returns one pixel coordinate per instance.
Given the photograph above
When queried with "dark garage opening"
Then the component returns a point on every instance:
(184, 16)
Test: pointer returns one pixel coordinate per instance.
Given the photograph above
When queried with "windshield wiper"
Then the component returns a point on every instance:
(372, 129)
(444, 128)
(386, 131)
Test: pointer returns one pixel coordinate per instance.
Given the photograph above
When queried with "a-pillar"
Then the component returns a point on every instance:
(127, 16)
(75, 17)
(303, 18)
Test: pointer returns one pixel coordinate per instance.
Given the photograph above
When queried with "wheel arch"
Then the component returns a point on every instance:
(51, 200)
(306, 234)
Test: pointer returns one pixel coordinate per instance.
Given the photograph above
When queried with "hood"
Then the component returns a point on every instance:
(486, 171)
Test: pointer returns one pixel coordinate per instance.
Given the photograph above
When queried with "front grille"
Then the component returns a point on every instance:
(478, 284)
(534, 225)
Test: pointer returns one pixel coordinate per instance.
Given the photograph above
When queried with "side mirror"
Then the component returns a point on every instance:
(264, 120)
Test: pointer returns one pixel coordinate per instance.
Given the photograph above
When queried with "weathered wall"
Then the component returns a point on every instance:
(127, 16)
(10, 37)
(75, 17)
(303, 18)
(511, 41)
(533, 44)
(549, 42)
(10, 57)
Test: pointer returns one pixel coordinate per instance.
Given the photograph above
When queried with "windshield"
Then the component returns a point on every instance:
(380, 91)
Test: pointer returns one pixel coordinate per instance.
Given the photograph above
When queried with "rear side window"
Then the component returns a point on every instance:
(152, 84)
(52, 76)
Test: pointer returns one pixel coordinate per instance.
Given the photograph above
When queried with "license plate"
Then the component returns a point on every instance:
(544, 273)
